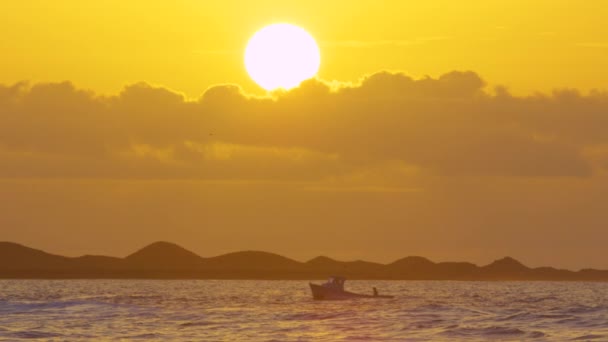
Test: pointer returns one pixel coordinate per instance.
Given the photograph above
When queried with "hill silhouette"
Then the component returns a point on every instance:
(163, 256)
(165, 260)
(14, 256)
(506, 266)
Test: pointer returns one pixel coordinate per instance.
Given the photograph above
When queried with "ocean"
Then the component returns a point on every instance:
(252, 310)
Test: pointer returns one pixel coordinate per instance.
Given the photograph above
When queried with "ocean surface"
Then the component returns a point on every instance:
(236, 310)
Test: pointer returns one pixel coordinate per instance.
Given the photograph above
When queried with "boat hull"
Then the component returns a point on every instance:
(325, 293)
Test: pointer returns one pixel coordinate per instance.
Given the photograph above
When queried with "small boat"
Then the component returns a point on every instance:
(334, 289)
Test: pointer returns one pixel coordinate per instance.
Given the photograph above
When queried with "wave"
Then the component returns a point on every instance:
(24, 307)
(582, 309)
(486, 331)
(32, 334)
(537, 334)
(516, 316)
(195, 324)
(314, 316)
(588, 337)
(535, 299)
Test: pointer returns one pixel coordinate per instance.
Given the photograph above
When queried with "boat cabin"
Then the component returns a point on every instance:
(335, 282)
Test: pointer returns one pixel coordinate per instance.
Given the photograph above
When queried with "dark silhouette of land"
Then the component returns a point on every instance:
(164, 260)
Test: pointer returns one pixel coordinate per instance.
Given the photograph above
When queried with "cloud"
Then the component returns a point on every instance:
(215, 52)
(366, 44)
(600, 45)
(450, 126)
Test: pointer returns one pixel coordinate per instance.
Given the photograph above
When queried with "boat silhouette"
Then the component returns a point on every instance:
(333, 289)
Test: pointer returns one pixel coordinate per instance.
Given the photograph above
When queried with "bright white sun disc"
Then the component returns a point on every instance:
(281, 56)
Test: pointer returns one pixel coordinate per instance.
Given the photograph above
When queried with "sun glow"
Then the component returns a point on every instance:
(281, 56)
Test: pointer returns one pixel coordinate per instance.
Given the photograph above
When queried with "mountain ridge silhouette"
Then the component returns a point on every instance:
(165, 260)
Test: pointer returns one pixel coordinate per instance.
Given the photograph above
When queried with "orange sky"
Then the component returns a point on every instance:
(156, 134)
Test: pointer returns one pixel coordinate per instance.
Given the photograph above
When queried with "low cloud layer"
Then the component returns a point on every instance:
(448, 127)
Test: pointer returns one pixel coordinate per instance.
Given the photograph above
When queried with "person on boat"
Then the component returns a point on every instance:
(336, 283)
(375, 292)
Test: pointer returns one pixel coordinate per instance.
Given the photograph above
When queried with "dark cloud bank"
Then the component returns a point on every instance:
(447, 127)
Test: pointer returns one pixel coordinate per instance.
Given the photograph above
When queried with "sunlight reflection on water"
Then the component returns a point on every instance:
(284, 311)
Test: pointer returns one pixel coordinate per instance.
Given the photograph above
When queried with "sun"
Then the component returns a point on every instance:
(282, 56)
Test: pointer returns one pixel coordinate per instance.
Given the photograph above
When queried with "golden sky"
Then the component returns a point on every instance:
(189, 45)
(138, 122)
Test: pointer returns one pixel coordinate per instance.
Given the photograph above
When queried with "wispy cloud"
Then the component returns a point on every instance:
(601, 45)
(214, 51)
(547, 33)
(365, 44)
(379, 189)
